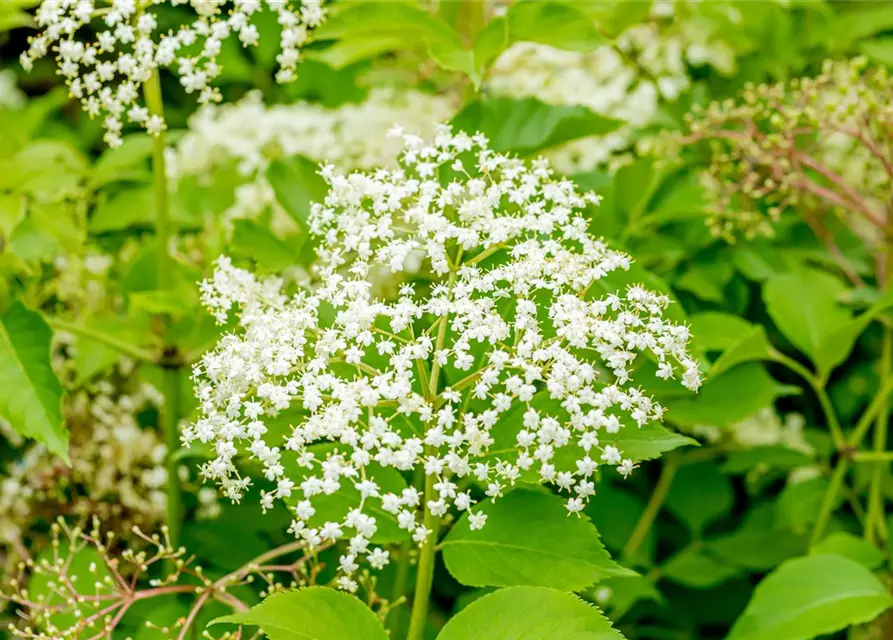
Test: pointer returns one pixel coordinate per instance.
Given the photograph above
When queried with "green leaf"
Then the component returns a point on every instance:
(346, 52)
(880, 50)
(836, 347)
(756, 549)
(93, 357)
(529, 613)
(729, 397)
(314, 613)
(700, 494)
(161, 301)
(126, 162)
(718, 331)
(797, 507)
(812, 596)
(634, 184)
(646, 443)
(752, 345)
(696, 569)
(127, 208)
(803, 305)
(556, 24)
(297, 183)
(777, 456)
(616, 513)
(527, 125)
(269, 252)
(30, 392)
(624, 14)
(393, 26)
(849, 546)
(626, 592)
(860, 20)
(529, 539)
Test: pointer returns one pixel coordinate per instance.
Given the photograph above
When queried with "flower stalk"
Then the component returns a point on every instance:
(169, 416)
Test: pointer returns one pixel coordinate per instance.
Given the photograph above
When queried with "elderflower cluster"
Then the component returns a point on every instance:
(117, 466)
(764, 428)
(601, 80)
(508, 361)
(251, 134)
(107, 71)
(11, 97)
(627, 80)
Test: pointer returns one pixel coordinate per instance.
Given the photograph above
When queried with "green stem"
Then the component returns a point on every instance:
(131, 351)
(834, 488)
(397, 617)
(875, 517)
(163, 269)
(879, 401)
(170, 414)
(425, 576)
(872, 456)
(819, 390)
(155, 105)
(643, 526)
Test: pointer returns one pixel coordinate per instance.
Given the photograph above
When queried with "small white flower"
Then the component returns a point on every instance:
(558, 353)
(106, 75)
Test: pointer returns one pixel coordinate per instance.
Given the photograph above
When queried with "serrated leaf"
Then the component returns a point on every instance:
(812, 596)
(646, 443)
(528, 540)
(314, 613)
(30, 392)
(529, 613)
(527, 125)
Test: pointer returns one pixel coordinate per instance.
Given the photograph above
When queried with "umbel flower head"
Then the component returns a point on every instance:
(502, 362)
(106, 74)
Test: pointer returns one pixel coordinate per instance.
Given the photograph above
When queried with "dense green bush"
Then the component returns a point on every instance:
(462, 320)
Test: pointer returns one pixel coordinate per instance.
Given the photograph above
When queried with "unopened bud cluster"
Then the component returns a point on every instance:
(815, 145)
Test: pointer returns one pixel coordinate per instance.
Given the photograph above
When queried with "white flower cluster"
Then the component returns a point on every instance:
(106, 74)
(601, 80)
(764, 428)
(117, 467)
(626, 80)
(352, 136)
(503, 362)
(11, 97)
